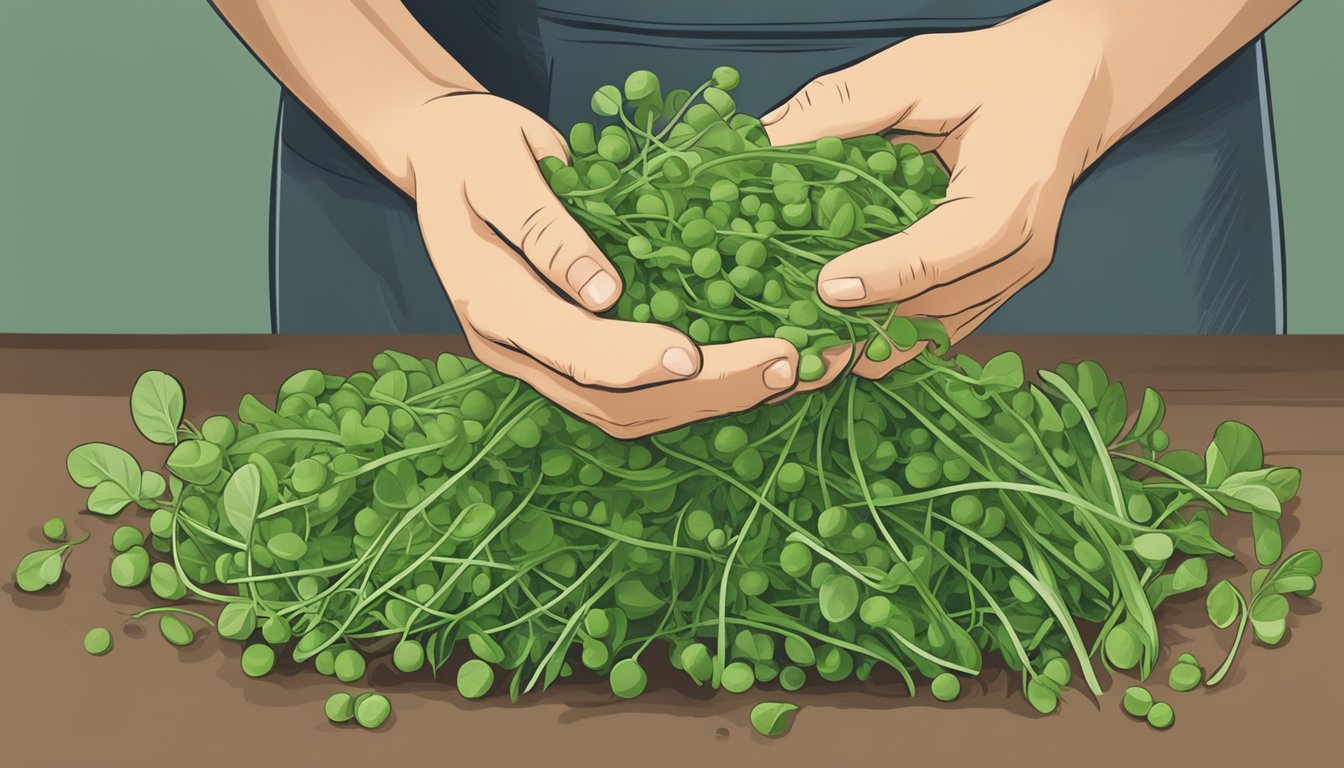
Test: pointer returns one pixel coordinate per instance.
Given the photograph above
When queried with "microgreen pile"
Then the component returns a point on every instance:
(430, 510)
(914, 524)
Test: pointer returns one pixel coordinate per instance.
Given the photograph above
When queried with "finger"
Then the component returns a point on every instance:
(517, 202)
(962, 236)
(499, 298)
(855, 101)
(735, 377)
(872, 369)
(960, 325)
(1002, 279)
(925, 143)
(837, 360)
(509, 306)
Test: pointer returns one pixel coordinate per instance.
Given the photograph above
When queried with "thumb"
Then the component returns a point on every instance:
(518, 203)
(963, 237)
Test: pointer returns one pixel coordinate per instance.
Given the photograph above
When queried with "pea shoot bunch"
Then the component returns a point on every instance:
(912, 526)
(722, 235)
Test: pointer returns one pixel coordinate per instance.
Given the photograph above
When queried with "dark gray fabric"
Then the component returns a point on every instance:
(1176, 231)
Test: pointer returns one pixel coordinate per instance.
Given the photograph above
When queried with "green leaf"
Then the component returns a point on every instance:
(607, 101)
(1235, 448)
(1306, 562)
(196, 461)
(1191, 574)
(1258, 579)
(390, 386)
(1124, 646)
(1092, 383)
(1003, 372)
(1268, 539)
(1185, 463)
(1257, 499)
(175, 631)
(1269, 632)
(628, 679)
(842, 223)
(152, 485)
(1193, 536)
(697, 663)
(1158, 590)
(237, 621)
(799, 651)
(108, 498)
(1222, 604)
(165, 582)
(785, 172)
(838, 597)
(93, 463)
(156, 406)
(1269, 608)
(39, 570)
(636, 599)
(1110, 413)
(772, 718)
(241, 496)
(306, 382)
(1283, 482)
(355, 433)
(1153, 547)
(1151, 412)
(485, 647)
(1047, 416)
(287, 546)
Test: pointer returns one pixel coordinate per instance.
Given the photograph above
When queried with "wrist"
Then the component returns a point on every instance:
(1149, 52)
(413, 132)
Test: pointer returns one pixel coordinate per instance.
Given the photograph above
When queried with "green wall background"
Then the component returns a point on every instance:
(135, 164)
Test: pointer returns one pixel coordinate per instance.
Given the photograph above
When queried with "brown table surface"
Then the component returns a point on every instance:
(149, 704)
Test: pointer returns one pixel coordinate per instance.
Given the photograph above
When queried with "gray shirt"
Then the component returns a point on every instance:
(1175, 231)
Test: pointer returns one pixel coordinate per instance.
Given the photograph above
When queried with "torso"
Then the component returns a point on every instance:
(1174, 231)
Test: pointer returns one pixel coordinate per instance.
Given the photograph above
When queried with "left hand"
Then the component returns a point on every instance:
(1016, 114)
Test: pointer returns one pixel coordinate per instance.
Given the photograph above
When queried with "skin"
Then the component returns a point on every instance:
(1017, 113)
(525, 279)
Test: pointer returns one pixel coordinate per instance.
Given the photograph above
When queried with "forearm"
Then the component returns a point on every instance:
(1152, 51)
(362, 66)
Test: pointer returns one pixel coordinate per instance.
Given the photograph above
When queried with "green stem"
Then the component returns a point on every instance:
(1217, 677)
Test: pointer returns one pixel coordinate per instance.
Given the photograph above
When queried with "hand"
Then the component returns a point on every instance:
(1014, 112)
(503, 246)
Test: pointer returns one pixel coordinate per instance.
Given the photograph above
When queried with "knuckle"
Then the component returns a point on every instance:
(828, 89)
(620, 425)
(623, 432)
(585, 377)
(541, 237)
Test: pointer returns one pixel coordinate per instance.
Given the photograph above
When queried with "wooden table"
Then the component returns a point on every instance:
(148, 704)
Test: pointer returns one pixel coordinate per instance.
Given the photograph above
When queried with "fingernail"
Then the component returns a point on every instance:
(598, 290)
(774, 114)
(779, 375)
(844, 289)
(676, 360)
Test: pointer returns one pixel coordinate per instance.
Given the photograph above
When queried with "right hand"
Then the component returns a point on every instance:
(505, 249)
